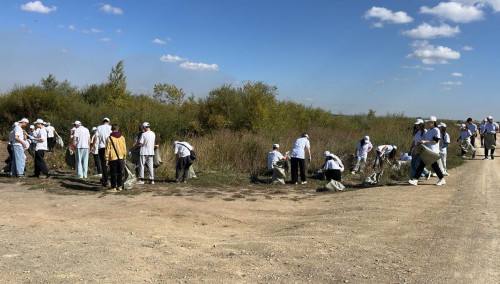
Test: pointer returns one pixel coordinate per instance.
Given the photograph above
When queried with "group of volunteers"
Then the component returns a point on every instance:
(106, 144)
(433, 141)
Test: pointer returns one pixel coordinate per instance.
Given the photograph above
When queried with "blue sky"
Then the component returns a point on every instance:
(419, 57)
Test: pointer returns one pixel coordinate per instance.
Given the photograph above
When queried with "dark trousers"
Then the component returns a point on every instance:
(435, 168)
(104, 169)
(97, 162)
(482, 140)
(379, 160)
(51, 142)
(486, 152)
(116, 171)
(40, 165)
(297, 163)
(473, 141)
(183, 164)
(333, 174)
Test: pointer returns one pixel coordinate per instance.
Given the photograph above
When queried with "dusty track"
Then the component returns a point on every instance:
(397, 234)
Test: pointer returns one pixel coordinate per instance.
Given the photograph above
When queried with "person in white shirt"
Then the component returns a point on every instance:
(18, 147)
(182, 152)
(40, 139)
(333, 168)
(431, 139)
(473, 130)
(490, 137)
(362, 148)
(147, 143)
(443, 146)
(481, 131)
(95, 152)
(298, 155)
(418, 134)
(51, 136)
(465, 135)
(273, 157)
(384, 153)
(81, 140)
(103, 132)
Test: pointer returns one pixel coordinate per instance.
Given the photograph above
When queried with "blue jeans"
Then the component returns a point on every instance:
(19, 160)
(415, 161)
(82, 161)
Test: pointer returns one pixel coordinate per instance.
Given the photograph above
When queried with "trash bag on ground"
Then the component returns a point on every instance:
(467, 146)
(69, 158)
(373, 179)
(489, 141)
(279, 172)
(333, 185)
(157, 158)
(129, 178)
(427, 155)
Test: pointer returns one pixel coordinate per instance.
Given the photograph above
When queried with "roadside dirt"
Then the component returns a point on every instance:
(394, 234)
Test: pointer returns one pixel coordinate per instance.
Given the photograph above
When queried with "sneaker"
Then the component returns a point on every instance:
(441, 182)
(446, 174)
(304, 182)
(119, 188)
(434, 175)
(139, 182)
(98, 175)
(112, 190)
(152, 181)
(413, 182)
(353, 172)
(463, 156)
(492, 157)
(428, 176)
(485, 158)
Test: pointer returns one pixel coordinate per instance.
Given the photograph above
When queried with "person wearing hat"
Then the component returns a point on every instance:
(40, 139)
(103, 132)
(81, 140)
(182, 151)
(51, 139)
(19, 145)
(298, 155)
(464, 138)
(443, 146)
(431, 139)
(95, 152)
(273, 157)
(490, 137)
(147, 151)
(333, 168)
(481, 131)
(384, 152)
(473, 130)
(418, 134)
(362, 148)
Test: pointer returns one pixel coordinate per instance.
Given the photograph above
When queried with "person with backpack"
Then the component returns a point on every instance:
(362, 148)
(183, 160)
(115, 155)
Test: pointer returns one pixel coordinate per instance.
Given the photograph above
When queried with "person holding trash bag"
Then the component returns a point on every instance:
(431, 140)
(182, 152)
(490, 137)
(362, 148)
(298, 155)
(418, 134)
(273, 157)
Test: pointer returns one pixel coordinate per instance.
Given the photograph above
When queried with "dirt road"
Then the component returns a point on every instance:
(396, 234)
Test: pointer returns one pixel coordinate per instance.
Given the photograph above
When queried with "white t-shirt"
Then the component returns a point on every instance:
(481, 128)
(491, 127)
(103, 132)
(299, 148)
(465, 134)
(19, 132)
(446, 139)
(147, 141)
(472, 127)
(50, 131)
(334, 164)
(433, 135)
(363, 151)
(418, 137)
(82, 135)
(273, 157)
(387, 151)
(41, 133)
(96, 149)
(183, 151)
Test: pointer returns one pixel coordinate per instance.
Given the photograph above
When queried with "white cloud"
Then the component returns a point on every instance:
(159, 41)
(418, 67)
(494, 4)
(379, 82)
(427, 31)
(118, 31)
(388, 16)
(71, 27)
(456, 74)
(468, 48)
(447, 89)
(105, 39)
(454, 11)
(430, 54)
(92, 31)
(64, 50)
(172, 58)
(106, 8)
(451, 83)
(199, 66)
(37, 7)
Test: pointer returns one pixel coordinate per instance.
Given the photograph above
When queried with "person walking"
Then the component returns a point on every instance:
(19, 145)
(115, 155)
(51, 136)
(362, 148)
(473, 130)
(103, 132)
(298, 154)
(81, 140)
(418, 134)
(464, 140)
(481, 131)
(273, 157)
(490, 137)
(333, 168)
(182, 152)
(94, 149)
(443, 146)
(384, 152)
(147, 143)
(40, 138)
(431, 139)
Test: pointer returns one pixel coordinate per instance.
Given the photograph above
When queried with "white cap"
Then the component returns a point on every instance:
(485, 120)
(39, 121)
(431, 118)
(395, 147)
(442, 124)
(490, 117)
(32, 127)
(462, 125)
(145, 124)
(105, 119)
(419, 121)
(276, 146)
(48, 123)
(24, 120)
(77, 122)
(305, 135)
(15, 124)
(366, 138)
(326, 154)
(94, 128)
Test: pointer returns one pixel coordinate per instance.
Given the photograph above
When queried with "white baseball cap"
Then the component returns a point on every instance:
(105, 119)
(490, 117)
(32, 127)
(462, 125)
(48, 123)
(94, 128)
(431, 118)
(24, 120)
(39, 121)
(366, 138)
(485, 120)
(276, 145)
(442, 124)
(395, 147)
(145, 124)
(419, 121)
(77, 122)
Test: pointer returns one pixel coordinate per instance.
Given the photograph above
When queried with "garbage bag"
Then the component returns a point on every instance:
(467, 146)
(59, 141)
(129, 178)
(489, 141)
(157, 158)
(372, 179)
(332, 185)
(279, 172)
(427, 155)
(69, 158)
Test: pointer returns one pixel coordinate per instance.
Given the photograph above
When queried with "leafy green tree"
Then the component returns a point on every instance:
(117, 85)
(168, 94)
(50, 83)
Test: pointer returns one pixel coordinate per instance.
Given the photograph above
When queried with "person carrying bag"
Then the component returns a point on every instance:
(115, 154)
